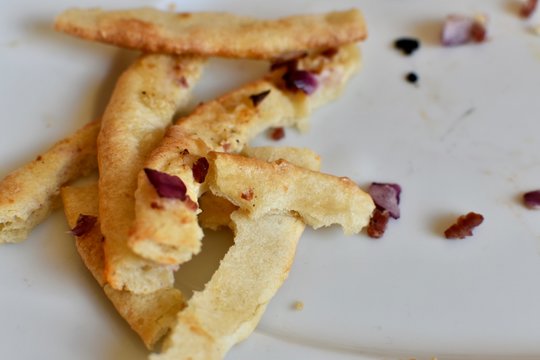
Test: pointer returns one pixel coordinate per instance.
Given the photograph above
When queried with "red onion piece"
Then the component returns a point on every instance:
(300, 80)
(459, 30)
(532, 199)
(167, 186)
(386, 196)
(85, 223)
(200, 169)
(528, 8)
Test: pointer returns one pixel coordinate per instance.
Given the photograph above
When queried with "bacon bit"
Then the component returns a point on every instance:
(528, 8)
(300, 80)
(256, 99)
(532, 199)
(247, 195)
(330, 53)
(377, 223)
(464, 226)
(192, 205)
(167, 186)
(155, 205)
(200, 169)
(459, 30)
(277, 133)
(85, 223)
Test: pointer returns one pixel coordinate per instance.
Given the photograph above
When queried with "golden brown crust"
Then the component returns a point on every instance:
(149, 315)
(260, 187)
(142, 105)
(25, 202)
(232, 302)
(212, 33)
(224, 124)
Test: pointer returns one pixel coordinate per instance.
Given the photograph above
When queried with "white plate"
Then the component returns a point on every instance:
(466, 138)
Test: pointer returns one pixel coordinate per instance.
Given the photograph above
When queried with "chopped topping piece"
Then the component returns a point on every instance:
(300, 80)
(532, 199)
(528, 8)
(464, 226)
(167, 186)
(386, 196)
(277, 133)
(411, 77)
(190, 204)
(298, 306)
(377, 223)
(85, 223)
(458, 30)
(247, 195)
(407, 45)
(200, 169)
(256, 99)
(330, 53)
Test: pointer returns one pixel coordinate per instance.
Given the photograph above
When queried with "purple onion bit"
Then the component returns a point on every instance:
(459, 30)
(300, 80)
(386, 196)
(532, 199)
(200, 169)
(167, 186)
(85, 223)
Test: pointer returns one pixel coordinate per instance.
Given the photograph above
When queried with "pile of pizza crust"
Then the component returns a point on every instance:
(161, 184)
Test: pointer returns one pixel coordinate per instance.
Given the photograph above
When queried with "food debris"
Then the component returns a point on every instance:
(277, 133)
(464, 226)
(531, 199)
(528, 8)
(411, 77)
(85, 223)
(300, 80)
(407, 45)
(200, 169)
(386, 196)
(377, 223)
(298, 305)
(167, 186)
(459, 30)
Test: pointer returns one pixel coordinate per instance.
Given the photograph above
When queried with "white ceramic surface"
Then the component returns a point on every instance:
(466, 138)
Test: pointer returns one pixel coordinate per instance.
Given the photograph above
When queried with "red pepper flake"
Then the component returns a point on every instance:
(528, 8)
(200, 169)
(167, 186)
(464, 226)
(85, 223)
(277, 133)
(247, 195)
(532, 199)
(377, 223)
(155, 205)
(256, 99)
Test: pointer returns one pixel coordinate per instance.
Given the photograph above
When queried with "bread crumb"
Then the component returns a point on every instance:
(298, 305)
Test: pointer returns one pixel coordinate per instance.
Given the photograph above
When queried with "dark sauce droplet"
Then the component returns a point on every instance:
(412, 78)
(407, 45)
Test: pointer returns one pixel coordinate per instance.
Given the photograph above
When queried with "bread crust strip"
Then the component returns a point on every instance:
(30, 193)
(146, 97)
(213, 33)
(166, 230)
(318, 199)
(149, 315)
